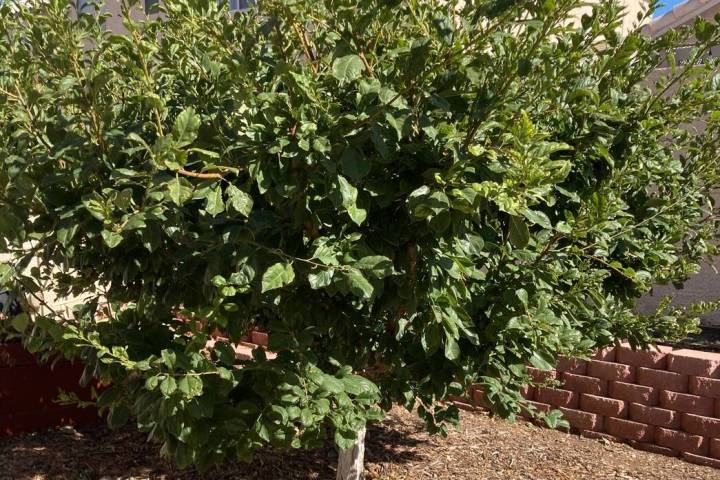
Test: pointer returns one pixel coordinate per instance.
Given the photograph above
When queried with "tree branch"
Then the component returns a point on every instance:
(205, 176)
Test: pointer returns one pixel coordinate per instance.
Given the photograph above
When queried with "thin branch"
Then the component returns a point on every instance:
(205, 176)
(367, 64)
(306, 47)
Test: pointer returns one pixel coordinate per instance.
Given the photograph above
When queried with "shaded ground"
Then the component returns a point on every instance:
(484, 448)
(708, 339)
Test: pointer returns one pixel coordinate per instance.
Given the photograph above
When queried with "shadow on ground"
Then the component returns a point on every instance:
(94, 453)
(484, 448)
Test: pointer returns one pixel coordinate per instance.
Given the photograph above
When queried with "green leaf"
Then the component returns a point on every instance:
(186, 127)
(20, 322)
(359, 285)
(111, 239)
(357, 385)
(168, 386)
(431, 338)
(151, 383)
(378, 265)
(357, 215)
(425, 204)
(538, 218)
(524, 67)
(277, 276)
(522, 294)
(118, 416)
(240, 201)
(190, 386)
(6, 274)
(214, 203)
(169, 358)
(179, 190)
(96, 206)
(518, 233)
(321, 279)
(348, 191)
(452, 349)
(331, 384)
(353, 164)
(349, 195)
(345, 438)
(539, 360)
(66, 234)
(347, 68)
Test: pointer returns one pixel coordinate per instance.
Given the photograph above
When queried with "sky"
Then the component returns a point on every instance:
(666, 6)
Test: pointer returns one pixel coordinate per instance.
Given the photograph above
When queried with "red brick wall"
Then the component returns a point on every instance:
(663, 400)
(28, 390)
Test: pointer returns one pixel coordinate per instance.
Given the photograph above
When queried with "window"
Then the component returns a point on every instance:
(240, 5)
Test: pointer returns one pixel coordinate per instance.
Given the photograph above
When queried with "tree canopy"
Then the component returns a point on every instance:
(410, 196)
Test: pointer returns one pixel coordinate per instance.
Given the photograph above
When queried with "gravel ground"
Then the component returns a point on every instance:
(483, 448)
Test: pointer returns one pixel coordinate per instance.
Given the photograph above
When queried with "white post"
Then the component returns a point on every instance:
(351, 461)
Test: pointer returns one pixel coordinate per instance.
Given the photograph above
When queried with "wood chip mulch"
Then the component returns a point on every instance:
(483, 448)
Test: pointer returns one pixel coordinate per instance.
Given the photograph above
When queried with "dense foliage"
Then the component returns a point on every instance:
(411, 196)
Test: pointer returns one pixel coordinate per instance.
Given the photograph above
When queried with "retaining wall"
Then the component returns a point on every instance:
(663, 401)
(28, 391)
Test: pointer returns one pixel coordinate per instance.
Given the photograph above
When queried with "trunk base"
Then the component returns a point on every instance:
(351, 461)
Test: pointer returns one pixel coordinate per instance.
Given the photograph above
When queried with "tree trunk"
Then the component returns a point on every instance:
(351, 461)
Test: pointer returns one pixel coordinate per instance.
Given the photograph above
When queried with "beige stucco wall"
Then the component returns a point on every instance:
(704, 286)
(632, 7)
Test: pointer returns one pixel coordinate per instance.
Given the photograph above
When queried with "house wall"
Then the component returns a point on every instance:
(704, 286)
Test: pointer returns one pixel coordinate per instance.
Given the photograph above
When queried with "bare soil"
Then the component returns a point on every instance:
(483, 448)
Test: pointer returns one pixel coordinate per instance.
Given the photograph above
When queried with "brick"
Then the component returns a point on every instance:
(601, 436)
(571, 365)
(608, 407)
(684, 442)
(558, 398)
(662, 379)
(242, 348)
(700, 425)
(12, 354)
(259, 338)
(686, 403)
(634, 393)
(463, 403)
(15, 423)
(619, 427)
(242, 351)
(705, 387)
(659, 417)
(582, 420)
(701, 460)
(478, 398)
(652, 448)
(458, 399)
(541, 376)
(583, 384)
(465, 406)
(715, 447)
(654, 357)
(528, 392)
(717, 408)
(606, 354)
(540, 407)
(611, 371)
(694, 362)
